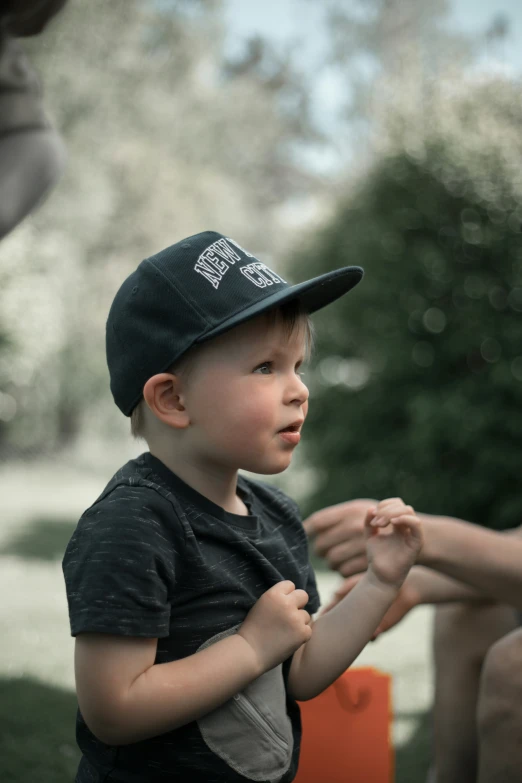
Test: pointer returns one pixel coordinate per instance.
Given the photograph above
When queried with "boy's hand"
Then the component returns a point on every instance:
(407, 599)
(393, 540)
(277, 625)
(339, 535)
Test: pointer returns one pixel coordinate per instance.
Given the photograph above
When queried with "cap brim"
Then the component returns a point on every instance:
(313, 295)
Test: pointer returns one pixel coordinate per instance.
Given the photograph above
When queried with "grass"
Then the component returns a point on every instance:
(412, 760)
(43, 539)
(37, 740)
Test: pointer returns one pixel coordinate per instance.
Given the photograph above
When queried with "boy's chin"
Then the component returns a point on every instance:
(269, 468)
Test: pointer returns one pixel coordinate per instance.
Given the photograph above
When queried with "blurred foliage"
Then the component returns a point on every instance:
(42, 539)
(37, 741)
(417, 386)
(412, 760)
(165, 137)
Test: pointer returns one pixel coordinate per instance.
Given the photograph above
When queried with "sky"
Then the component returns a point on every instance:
(283, 20)
(299, 24)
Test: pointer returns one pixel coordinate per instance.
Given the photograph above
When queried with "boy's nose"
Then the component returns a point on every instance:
(297, 391)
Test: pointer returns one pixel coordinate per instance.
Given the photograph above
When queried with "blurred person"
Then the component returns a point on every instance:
(190, 589)
(32, 155)
(475, 575)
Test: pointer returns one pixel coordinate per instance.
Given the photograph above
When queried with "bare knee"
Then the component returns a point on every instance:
(500, 698)
(468, 630)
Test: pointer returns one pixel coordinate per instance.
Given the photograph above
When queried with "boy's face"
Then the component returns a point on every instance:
(245, 398)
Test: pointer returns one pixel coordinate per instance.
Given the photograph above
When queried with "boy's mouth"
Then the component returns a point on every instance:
(291, 433)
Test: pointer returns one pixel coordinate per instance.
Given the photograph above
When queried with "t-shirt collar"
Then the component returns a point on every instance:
(179, 487)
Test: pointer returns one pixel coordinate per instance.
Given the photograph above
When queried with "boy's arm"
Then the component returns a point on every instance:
(393, 539)
(339, 636)
(124, 697)
(421, 586)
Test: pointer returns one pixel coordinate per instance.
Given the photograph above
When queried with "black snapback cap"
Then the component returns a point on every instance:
(193, 291)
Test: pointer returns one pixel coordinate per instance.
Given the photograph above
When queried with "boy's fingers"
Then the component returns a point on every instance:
(370, 514)
(386, 502)
(379, 521)
(300, 597)
(408, 521)
(394, 507)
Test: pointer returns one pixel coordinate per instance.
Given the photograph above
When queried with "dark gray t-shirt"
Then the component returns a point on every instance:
(154, 558)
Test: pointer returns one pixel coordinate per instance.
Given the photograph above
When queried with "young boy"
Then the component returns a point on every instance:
(190, 590)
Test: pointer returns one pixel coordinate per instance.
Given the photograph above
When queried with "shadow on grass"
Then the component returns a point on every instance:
(413, 759)
(37, 743)
(44, 539)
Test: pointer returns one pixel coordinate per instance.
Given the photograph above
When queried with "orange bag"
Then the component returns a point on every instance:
(346, 731)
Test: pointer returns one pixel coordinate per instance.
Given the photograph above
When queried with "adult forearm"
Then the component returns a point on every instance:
(30, 163)
(339, 636)
(169, 695)
(488, 561)
(431, 587)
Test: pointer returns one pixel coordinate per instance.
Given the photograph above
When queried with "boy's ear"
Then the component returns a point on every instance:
(164, 397)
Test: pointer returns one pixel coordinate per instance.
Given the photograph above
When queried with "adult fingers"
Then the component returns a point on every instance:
(343, 534)
(323, 519)
(332, 515)
(342, 552)
(354, 566)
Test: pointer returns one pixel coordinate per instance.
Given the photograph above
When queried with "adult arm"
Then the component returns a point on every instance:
(486, 560)
(32, 155)
(421, 586)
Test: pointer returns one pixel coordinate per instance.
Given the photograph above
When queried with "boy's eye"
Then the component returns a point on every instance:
(264, 369)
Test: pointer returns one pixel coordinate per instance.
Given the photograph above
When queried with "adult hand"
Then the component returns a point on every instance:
(339, 535)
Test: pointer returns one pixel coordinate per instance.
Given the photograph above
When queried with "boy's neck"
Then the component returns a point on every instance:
(219, 486)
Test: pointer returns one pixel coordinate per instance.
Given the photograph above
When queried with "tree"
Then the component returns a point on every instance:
(418, 388)
(164, 139)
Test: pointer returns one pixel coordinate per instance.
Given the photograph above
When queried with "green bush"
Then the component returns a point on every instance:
(417, 386)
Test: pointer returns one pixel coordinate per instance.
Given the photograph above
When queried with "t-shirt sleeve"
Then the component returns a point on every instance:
(121, 564)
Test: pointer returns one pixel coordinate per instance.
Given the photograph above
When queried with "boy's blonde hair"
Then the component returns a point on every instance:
(290, 314)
